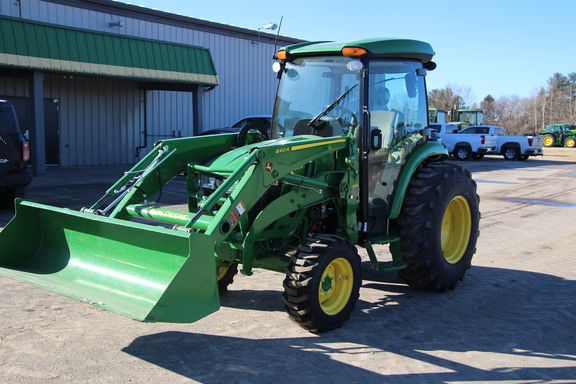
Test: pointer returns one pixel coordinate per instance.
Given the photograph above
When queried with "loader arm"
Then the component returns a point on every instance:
(168, 159)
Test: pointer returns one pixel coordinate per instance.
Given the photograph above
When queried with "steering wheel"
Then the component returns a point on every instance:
(341, 113)
(246, 127)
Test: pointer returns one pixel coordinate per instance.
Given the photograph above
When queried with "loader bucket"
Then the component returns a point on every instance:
(145, 272)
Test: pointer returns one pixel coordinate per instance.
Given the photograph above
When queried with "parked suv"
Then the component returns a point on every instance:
(259, 120)
(15, 174)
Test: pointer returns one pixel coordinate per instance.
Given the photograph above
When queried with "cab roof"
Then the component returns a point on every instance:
(376, 47)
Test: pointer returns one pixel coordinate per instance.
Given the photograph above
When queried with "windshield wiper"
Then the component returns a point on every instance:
(326, 110)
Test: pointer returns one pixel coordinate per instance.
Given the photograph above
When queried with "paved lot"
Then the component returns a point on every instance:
(512, 320)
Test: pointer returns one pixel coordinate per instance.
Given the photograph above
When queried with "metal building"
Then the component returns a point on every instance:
(97, 82)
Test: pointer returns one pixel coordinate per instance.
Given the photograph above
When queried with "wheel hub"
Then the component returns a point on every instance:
(327, 284)
(335, 286)
(456, 227)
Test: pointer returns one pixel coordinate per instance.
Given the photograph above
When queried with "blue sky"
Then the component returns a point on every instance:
(502, 48)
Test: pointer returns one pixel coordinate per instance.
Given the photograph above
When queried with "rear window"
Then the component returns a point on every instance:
(8, 122)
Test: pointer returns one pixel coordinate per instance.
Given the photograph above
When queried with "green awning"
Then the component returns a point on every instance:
(31, 45)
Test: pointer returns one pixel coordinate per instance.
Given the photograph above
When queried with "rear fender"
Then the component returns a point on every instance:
(431, 151)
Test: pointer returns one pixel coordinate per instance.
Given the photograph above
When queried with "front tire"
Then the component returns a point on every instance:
(322, 283)
(438, 226)
(7, 197)
(225, 276)
(477, 156)
(570, 142)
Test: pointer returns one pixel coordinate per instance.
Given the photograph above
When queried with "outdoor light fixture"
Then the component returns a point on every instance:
(271, 27)
(118, 23)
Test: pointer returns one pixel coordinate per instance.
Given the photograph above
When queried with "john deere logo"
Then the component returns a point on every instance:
(269, 166)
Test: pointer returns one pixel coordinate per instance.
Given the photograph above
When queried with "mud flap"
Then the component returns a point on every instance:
(145, 272)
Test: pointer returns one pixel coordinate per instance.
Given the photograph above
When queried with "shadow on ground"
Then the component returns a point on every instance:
(498, 325)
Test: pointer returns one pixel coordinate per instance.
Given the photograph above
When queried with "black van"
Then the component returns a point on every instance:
(15, 174)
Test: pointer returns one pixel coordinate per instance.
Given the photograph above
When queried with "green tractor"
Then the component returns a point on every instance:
(436, 115)
(464, 118)
(348, 163)
(559, 135)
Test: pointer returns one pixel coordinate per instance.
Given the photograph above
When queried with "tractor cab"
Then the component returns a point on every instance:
(360, 92)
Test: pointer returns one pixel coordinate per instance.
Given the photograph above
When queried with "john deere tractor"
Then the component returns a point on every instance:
(348, 163)
(559, 135)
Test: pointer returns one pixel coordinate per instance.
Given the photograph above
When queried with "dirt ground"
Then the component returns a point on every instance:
(512, 320)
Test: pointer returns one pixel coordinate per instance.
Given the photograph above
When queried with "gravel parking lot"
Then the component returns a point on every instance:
(512, 320)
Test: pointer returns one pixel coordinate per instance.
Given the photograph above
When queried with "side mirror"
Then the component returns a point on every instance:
(375, 139)
(292, 73)
(411, 84)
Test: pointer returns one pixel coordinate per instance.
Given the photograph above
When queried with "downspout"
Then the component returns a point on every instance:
(145, 132)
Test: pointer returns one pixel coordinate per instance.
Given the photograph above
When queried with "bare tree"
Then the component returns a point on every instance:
(451, 98)
(553, 104)
(488, 105)
(465, 93)
(512, 114)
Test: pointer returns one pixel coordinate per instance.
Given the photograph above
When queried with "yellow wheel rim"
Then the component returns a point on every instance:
(547, 141)
(570, 142)
(456, 227)
(336, 286)
(221, 272)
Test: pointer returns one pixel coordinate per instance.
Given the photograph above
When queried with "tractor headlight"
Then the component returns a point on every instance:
(208, 182)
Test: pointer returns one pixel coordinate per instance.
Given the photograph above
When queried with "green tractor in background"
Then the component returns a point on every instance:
(559, 135)
(462, 118)
(348, 163)
(437, 115)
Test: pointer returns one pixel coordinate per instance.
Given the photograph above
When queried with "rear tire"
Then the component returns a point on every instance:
(548, 140)
(322, 283)
(462, 153)
(438, 226)
(511, 153)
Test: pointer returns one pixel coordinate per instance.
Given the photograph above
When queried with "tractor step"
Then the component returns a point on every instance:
(397, 262)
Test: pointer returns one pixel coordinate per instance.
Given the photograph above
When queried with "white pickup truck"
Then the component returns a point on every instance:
(511, 147)
(464, 146)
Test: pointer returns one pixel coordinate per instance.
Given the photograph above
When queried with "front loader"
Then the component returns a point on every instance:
(348, 163)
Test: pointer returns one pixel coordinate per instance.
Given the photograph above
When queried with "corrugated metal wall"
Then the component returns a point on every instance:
(99, 119)
(107, 122)
(104, 121)
(247, 82)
